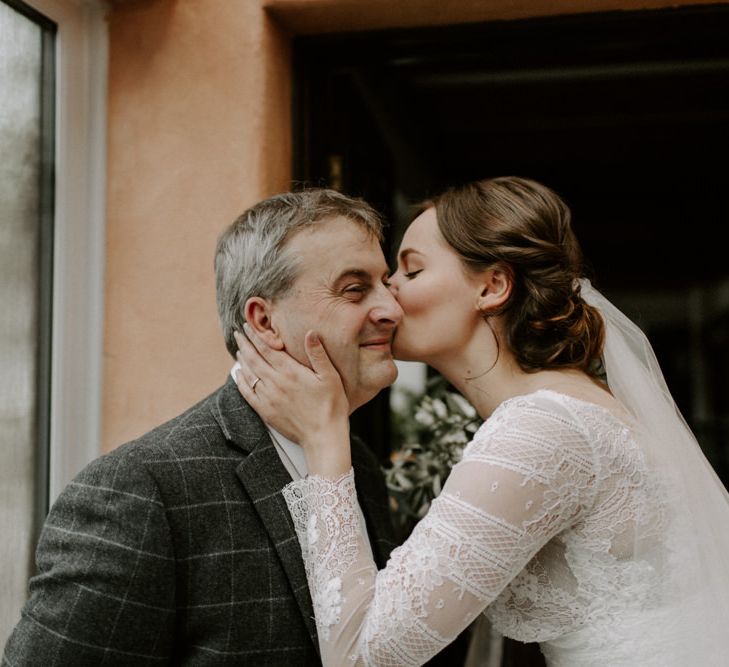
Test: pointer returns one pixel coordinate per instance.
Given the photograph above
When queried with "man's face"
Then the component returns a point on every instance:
(340, 293)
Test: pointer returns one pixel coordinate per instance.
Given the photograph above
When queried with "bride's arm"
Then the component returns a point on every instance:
(523, 479)
(510, 495)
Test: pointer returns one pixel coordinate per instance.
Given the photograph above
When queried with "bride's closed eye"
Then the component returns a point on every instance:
(406, 274)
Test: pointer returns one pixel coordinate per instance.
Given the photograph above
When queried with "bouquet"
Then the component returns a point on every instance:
(430, 431)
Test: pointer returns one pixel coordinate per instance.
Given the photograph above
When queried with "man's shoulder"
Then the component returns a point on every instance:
(188, 428)
(183, 437)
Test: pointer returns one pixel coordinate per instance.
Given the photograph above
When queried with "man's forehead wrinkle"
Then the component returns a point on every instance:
(323, 282)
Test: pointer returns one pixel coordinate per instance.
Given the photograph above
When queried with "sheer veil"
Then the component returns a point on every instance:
(695, 537)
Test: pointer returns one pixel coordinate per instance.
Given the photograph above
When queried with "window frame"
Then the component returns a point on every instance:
(45, 256)
(79, 220)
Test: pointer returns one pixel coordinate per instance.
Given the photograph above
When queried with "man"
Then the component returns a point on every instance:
(178, 547)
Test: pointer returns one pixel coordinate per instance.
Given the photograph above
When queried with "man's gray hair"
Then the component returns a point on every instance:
(251, 257)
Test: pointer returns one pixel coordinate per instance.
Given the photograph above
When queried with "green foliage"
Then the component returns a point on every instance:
(430, 431)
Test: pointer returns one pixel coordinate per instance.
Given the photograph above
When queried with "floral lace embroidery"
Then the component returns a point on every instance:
(327, 525)
(539, 522)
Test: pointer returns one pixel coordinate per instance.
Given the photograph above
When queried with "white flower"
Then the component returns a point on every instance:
(424, 417)
(440, 409)
(433, 438)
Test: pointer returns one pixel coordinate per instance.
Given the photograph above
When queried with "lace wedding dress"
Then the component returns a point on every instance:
(535, 525)
(603, 536)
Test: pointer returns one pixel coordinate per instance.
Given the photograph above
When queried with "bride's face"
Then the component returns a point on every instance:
(438, 298)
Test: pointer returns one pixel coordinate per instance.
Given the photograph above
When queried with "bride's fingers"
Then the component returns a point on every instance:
(262, 394)
(247, 383)
(243, 375)
(251, 355)
(253, 364)
(258, 390)
(318, 357)
(245, 346)
(274, 358)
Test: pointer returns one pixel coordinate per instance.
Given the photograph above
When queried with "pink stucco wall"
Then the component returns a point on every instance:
(199, 118)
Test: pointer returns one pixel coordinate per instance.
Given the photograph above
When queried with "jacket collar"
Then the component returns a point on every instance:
(263, 475)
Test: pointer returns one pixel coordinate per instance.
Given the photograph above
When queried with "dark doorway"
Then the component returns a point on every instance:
(625, 114)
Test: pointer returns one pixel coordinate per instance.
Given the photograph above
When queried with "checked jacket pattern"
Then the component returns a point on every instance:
(178, 548)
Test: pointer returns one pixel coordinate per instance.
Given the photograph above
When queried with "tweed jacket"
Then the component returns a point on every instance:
(178, 548)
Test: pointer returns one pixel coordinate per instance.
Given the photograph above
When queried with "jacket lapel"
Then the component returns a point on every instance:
(263, 475)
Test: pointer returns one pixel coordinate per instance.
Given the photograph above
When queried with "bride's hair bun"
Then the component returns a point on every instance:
(526, 228)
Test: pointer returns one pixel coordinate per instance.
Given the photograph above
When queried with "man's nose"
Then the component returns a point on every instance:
(387, 309)
(393, 285)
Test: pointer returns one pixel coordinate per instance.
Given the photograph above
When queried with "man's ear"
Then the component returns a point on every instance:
(258, 314)
(496, 285)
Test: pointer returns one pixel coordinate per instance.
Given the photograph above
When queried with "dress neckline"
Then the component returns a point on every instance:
(624, 421)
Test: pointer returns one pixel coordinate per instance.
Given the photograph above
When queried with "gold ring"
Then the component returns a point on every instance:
(255, 382)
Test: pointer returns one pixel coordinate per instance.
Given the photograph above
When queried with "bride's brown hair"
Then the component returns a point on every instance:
(525, 228)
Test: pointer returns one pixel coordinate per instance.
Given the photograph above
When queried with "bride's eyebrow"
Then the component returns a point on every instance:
(405, 252)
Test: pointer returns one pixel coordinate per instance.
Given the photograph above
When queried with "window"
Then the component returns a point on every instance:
(26, 234)
(53, 58)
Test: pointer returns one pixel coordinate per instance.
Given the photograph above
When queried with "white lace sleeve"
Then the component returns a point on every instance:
(525, 477)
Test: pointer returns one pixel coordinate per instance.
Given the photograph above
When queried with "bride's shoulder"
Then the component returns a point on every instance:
(567, 407)
(539, 416)
(538, 406)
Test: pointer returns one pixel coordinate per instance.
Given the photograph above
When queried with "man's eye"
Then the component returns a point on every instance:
(355, 290)
(412, 274)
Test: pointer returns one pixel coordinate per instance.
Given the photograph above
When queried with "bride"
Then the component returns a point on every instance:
(582, 515)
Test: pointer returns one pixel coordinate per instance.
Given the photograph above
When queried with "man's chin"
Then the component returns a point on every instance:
(393, 373)
(383, 376)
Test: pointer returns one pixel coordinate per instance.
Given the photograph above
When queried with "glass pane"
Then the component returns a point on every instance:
(21, 63)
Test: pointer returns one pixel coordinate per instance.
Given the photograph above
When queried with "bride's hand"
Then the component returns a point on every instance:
(307, 405)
